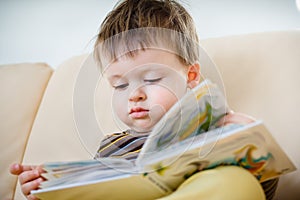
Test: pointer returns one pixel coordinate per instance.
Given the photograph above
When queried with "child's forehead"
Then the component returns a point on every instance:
(144, 60)
(137, 40)
(147, 69)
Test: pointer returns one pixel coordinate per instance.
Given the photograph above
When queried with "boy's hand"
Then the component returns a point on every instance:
(29, 178)
(235, 118)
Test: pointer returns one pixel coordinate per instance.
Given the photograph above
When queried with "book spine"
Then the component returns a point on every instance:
(163, 187)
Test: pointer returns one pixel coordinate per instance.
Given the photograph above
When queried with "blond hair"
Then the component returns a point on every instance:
(139, 24)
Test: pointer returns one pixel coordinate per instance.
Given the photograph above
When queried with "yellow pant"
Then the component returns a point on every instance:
(221, 183)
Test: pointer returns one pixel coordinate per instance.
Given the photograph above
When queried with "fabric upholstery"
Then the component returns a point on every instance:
(53, 135)
(21, 88)
(261, 76)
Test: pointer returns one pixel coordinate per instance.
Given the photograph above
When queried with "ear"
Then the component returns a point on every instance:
(193, 75)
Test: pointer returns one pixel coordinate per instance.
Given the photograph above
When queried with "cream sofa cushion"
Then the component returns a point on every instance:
(253, 89)
(261, 76)
(21, 88)
(53, 135)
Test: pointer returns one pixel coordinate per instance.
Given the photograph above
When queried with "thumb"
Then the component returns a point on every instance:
(15, 169)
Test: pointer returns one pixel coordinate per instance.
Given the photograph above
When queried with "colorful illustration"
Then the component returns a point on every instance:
(245, 159)
(195, 113)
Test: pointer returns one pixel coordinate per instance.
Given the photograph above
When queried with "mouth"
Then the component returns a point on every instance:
(138, 113)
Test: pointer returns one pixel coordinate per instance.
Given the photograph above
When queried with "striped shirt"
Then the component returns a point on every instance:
(122, 145)
(128, 145)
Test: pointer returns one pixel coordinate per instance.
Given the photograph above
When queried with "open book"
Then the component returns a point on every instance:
(186, 140)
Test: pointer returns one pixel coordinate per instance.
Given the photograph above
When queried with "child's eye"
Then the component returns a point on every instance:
(154, 80)
(121, 86)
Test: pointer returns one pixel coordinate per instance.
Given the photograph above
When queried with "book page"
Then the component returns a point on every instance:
(196, 113)
(105, 178)
(65, 173)
(249, 146)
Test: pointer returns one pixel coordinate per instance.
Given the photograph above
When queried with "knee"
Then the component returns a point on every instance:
(226, 182)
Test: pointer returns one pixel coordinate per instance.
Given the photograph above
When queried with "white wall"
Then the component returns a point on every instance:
(52, 31)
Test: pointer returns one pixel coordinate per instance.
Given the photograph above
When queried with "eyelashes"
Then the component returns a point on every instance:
(147, 81)
(152, 80)
(121, 86)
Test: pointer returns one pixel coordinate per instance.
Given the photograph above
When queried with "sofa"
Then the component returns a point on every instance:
(260, 73)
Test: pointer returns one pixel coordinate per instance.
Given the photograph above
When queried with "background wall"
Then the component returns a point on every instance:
(52, 31)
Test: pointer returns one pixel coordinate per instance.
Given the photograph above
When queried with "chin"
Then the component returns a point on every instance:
(142, 130)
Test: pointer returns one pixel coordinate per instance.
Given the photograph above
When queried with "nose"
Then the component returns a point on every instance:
(138, 95)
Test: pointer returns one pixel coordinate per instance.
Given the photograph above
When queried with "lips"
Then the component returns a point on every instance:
(138, 112)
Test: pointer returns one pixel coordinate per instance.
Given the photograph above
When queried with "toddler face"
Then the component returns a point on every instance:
(146, 86)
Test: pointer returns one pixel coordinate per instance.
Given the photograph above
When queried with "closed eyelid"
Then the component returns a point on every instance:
(114, 79)
(118, 83)
(152, 79)
(121, 86)
(117, 80)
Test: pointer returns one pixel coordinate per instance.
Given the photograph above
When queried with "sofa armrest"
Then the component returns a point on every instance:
(21, 89)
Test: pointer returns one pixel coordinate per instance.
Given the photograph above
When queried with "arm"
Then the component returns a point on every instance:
(29, 178)
(235, 118)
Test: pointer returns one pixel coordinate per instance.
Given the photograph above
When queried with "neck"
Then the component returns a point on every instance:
(139, 133)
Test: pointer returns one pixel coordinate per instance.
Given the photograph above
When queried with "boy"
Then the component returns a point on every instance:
(149, 74)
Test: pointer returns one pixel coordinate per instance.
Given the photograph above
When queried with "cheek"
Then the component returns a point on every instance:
(164, 98)
(171, 90)
(119, 105)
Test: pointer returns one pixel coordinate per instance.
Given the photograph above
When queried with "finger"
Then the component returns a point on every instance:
(17, 169)
(28, 176)
(31, 185)
(28, 167)
(240, 118)
(40, 168)
(235, 118)
(224, 120)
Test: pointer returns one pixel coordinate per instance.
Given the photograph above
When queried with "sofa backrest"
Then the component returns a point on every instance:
(260, 78)
(260, 73)
(53, 136)
(21, 88)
